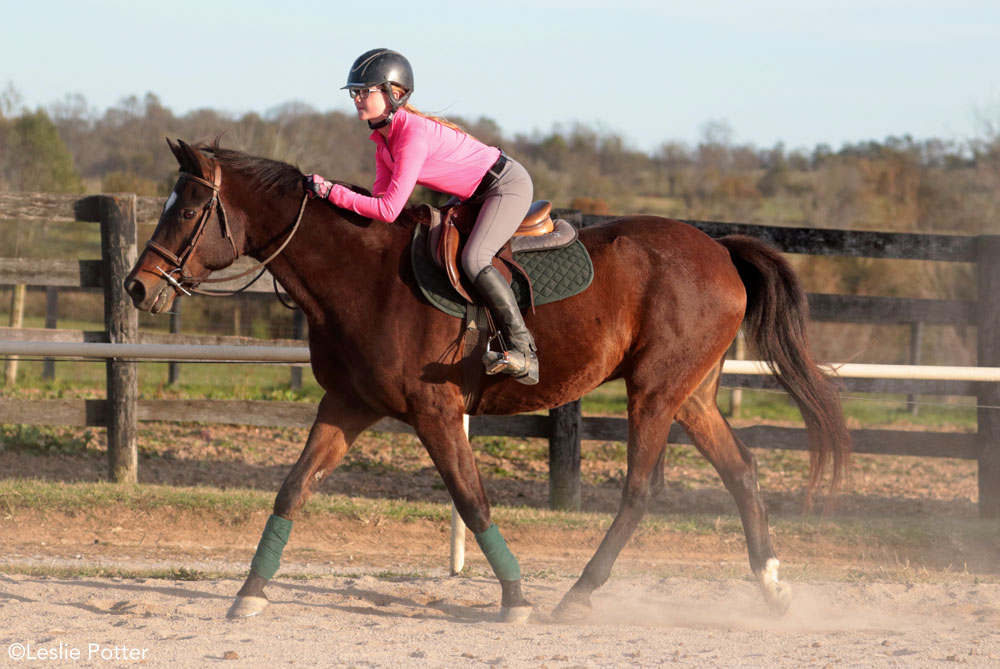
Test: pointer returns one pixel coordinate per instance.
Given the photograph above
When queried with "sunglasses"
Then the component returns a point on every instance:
(363, 93)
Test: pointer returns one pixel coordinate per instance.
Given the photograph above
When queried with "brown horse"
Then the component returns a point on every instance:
(666, 303)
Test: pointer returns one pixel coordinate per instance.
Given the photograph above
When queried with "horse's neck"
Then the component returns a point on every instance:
(332, 263)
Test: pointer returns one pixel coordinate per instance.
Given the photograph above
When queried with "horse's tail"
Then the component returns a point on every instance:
(775, 326)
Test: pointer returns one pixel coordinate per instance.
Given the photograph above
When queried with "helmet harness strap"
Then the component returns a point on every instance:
(394, 104)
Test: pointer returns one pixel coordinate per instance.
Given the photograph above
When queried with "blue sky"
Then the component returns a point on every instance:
(652, 71)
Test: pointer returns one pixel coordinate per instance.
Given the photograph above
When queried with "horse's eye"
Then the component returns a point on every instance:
(188, 213)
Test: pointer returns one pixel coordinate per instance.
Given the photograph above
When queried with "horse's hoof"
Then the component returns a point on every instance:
(779, 598)
(572, 609)
(245, 607)
(777, 593)
(515, 615)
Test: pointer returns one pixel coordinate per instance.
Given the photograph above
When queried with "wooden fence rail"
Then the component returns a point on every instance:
(564, 427)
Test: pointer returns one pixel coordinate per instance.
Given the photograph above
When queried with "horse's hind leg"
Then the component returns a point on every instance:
(338, 423)
(714, 438)
(649, 425)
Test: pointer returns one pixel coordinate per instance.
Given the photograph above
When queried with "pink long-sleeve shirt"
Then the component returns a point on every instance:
(418, 151)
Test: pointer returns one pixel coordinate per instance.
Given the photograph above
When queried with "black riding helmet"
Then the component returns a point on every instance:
(380, 67)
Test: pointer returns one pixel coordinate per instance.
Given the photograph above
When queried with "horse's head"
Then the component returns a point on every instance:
(192, 239)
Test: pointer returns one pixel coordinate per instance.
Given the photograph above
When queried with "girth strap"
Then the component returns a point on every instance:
(474, 337)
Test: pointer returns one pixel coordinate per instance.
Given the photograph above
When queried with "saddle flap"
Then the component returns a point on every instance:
(449, 254)
(449, 226)
(431, 217)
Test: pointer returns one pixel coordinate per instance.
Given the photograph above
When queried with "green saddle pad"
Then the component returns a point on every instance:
(555, 275)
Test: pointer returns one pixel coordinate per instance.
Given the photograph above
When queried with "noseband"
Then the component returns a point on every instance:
(185, 283)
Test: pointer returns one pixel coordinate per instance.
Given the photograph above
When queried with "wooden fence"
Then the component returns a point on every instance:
(564, 427)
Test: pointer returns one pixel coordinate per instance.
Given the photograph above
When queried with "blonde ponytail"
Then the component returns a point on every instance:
(413, 110)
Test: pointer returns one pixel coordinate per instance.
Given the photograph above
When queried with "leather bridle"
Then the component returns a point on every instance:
(178, 277)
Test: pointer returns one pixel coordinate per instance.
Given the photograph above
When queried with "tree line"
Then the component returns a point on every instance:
(899, 183)
(896, 184)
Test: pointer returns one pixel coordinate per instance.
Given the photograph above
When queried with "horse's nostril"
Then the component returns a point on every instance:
(136, 290)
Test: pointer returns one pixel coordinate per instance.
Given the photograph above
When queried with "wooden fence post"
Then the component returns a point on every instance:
(298, 332)
(118, 255)
(174, 367)
(988, 398)
(51, 323)
(564, 456)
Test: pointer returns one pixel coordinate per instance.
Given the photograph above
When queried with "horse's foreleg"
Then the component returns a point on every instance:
(712, 435)
(335, 428)
(647, 441)
(449, 448)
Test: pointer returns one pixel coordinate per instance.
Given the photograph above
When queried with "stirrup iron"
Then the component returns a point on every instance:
(520, 365)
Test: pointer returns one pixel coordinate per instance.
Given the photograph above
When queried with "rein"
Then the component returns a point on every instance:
(187, 284)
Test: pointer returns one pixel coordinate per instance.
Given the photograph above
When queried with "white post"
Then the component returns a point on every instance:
(736, 394)
(17, 300)
(458, 526)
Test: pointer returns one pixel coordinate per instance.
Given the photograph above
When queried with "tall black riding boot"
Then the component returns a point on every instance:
(521, 363)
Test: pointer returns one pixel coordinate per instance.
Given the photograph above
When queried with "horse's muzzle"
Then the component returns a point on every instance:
(154, 299)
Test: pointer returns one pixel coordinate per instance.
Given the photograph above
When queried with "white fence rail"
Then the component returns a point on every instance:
(300, 354)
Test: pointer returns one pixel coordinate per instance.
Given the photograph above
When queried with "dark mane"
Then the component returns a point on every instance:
(273, 176)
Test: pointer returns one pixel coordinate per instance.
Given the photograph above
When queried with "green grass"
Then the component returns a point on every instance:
(933, 412)
(234, 506)
(866, 409)
(231, 506)
(271, 382)
(608, 398)
(43, 440)
(49, 239)
(886, 546)
(509, 448)
(86, 379)
(115, 571)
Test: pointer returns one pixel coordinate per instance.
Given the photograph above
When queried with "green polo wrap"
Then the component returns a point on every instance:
(495, 549)
(272, 542)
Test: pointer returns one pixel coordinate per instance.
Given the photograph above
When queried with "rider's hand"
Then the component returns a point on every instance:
(317, 186)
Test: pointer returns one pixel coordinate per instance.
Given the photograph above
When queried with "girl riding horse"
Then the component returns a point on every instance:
(414, 148)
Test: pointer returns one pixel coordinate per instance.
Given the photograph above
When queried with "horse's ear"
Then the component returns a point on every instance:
(193, 161)
(184, 155)
(176, 150)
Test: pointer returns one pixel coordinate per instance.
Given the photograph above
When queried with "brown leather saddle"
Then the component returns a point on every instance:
(450, 226)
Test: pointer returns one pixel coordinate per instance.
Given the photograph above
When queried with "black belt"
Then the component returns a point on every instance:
(491, 176)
